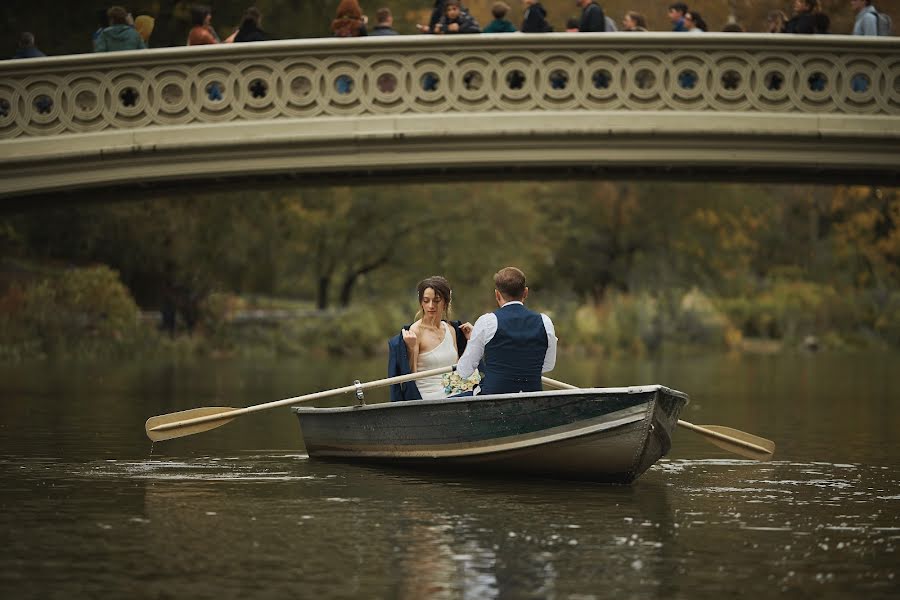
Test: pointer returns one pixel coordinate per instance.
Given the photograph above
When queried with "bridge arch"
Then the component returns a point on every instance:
(799, 108)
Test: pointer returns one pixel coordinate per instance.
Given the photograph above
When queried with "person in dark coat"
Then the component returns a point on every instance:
(384, 22)
(592, 17)
(807, 18)
(251, 27)
(26, 48)
(535, 18)
(456, 20)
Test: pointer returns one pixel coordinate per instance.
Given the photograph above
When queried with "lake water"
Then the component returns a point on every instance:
(241, 512)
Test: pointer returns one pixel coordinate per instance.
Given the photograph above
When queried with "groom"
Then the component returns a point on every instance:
(516, 343)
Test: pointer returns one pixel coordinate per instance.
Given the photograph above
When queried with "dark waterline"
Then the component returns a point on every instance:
(242, 512)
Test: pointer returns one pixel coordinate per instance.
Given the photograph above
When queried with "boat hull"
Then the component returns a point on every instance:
(603, 434)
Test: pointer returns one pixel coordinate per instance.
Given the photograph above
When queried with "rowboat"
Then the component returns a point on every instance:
(608, 435)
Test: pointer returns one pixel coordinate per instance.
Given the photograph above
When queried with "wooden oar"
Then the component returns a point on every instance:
(733, 440)
(197, 420)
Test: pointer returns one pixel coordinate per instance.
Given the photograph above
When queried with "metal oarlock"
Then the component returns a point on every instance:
(360, 396)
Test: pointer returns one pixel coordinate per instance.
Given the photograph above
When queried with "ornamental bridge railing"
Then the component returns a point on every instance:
(732, 106)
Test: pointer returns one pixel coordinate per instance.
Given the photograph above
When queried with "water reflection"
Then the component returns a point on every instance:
(242, 512)
(409, 535)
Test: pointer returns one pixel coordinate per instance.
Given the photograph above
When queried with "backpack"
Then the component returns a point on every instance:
(884, 26)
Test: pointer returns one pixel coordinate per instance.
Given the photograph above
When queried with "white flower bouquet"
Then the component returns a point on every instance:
(454, 384)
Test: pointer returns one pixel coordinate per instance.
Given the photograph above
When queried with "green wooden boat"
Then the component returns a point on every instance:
(609, 435)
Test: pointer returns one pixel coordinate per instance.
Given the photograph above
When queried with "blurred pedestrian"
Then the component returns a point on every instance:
(349, 20)
(456, 20)
(500, 24)
(119, 35)
(592, 18)
(144, 24)
(866, 18)
(775, 21)
(634, 21)
(534, 20)
(694, 22)
(807, 18)
(26, 48)
(384, 22)
(251, 27)
(676, 13)
(202, 32)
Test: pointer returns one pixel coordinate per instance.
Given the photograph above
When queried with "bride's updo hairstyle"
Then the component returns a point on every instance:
(441, 288)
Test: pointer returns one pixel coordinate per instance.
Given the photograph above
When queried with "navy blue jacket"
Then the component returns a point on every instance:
(398, 363)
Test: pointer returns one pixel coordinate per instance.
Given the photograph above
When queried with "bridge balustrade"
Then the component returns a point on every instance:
(811, 107)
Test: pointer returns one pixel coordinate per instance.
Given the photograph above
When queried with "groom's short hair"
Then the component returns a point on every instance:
(510, 282)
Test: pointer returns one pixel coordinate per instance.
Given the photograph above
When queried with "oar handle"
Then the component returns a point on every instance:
(306, 398)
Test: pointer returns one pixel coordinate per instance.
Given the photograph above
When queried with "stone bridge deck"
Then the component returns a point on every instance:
(725, 106)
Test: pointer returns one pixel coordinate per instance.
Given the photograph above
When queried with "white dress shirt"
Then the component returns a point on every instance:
(483, 332)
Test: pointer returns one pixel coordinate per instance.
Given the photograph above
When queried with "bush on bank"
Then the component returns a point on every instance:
(87, 313)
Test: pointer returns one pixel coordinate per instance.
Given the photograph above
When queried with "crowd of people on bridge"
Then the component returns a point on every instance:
(118, 30)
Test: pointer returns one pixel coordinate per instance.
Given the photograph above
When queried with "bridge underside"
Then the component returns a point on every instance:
(456, 148)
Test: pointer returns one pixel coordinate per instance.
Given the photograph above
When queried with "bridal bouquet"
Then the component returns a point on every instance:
(454, 384)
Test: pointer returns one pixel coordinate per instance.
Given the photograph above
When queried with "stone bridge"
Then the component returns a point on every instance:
(727, 107)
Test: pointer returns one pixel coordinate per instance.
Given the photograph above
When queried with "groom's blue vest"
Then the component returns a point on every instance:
(514, 357)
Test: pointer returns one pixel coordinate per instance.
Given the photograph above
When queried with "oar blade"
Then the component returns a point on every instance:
(767, 446)
(176, 430)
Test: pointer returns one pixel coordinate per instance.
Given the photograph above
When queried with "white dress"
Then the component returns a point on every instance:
(443, 355)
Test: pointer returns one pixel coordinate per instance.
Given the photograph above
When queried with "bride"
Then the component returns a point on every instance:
(431, 342)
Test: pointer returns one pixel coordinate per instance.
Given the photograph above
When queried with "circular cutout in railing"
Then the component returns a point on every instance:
(386, 83)
(85, 101)
(343, 84)
(515, 79)
(773, 81)
(601, 79)
(817, 82)
(860, 83)
(430, 82)
(301, 86)
(43, 104)
(5, 108)
(172, 93)
(731, 80)
(258, 88)
(687, 79)
(215, 91)
(644, 79)
(472, 81)
(559, 79)
(129, 96)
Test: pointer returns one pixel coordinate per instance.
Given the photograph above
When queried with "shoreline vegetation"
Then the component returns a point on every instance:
(623, 268)
(88, 314)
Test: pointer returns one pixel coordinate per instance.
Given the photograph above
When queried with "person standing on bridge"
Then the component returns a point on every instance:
(535, 18)
(119, 35)
(27, 49)
(384, 23)
(251, 27)
(349, 20)
(500, 24)
(866, 18)
(592, 17)
(676, 13)
(456, 20)
(202, 32)
(517, 345)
